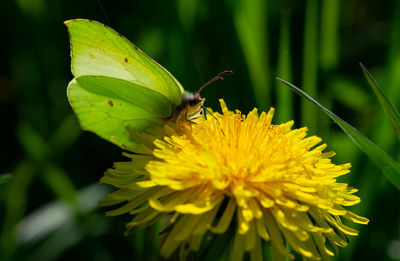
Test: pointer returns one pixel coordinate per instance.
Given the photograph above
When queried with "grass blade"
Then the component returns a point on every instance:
(387, 164)
(391, 112)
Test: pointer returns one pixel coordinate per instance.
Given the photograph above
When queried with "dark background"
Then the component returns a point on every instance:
(48, 209)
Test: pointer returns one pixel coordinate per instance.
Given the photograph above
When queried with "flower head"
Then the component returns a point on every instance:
(269, 182)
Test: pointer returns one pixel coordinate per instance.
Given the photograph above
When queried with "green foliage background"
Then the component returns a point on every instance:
(48, 208)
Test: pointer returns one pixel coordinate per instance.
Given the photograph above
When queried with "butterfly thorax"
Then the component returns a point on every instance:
(190, 108)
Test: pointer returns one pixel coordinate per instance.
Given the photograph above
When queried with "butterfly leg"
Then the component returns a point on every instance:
(205, 110)
(192, 118)
(194, 113)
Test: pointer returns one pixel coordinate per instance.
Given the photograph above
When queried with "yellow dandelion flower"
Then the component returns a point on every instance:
(269, 182)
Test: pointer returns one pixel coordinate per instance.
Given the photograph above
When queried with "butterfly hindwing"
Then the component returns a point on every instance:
(108, 106)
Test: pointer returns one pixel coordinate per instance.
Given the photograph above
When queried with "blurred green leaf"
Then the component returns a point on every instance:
(344, 90)
(187, 12)
(60, 184)
(5, 178)
(33, 8)
(32, 142)
(65, 134)
(391, 112)
(388, 165)
(63, 239)
(57, 214)
(16, 198)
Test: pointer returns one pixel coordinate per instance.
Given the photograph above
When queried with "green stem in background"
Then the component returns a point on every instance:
(310, 64)
(284, 96)
(250, 18)
(329, 34)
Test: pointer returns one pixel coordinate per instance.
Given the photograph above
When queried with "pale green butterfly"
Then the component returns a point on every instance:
(117, 86)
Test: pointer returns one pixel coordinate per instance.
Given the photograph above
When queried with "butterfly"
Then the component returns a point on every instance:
(116, 86)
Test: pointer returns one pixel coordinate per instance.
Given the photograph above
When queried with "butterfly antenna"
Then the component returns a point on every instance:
(206, 110)
(219, 77)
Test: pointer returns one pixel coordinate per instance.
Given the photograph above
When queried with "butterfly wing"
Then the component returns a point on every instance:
(108, 106)
(109, 69)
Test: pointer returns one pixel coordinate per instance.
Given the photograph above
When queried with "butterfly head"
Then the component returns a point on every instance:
(191, 99)
(192, 104)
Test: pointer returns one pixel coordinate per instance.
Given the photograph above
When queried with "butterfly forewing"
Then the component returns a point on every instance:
(97, 49)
